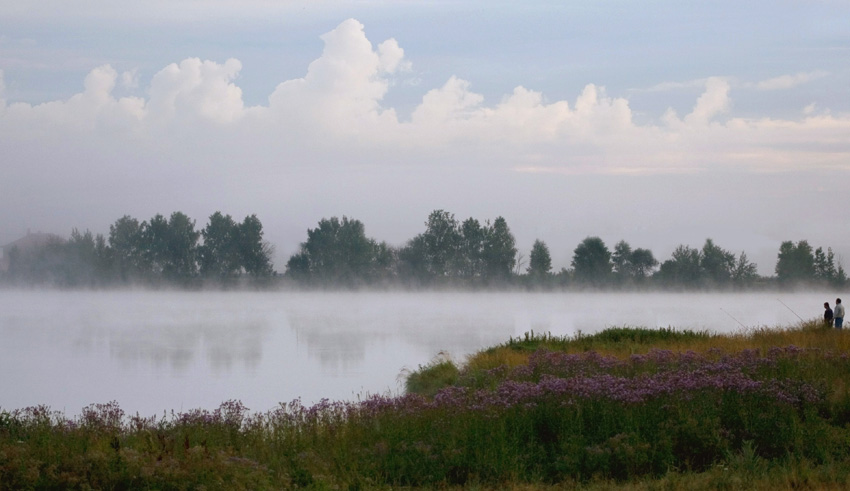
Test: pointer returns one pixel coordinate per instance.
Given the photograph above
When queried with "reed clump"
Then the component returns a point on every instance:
(625, 408)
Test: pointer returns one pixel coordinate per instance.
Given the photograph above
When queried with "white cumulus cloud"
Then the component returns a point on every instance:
(343, 88)
(197, 88)
(336, 113)
(714, 101)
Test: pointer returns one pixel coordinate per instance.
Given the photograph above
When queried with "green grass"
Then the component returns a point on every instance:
(603, 340)
(428, 379)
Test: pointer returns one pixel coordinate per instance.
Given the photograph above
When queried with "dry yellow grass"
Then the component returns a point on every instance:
(500, 357)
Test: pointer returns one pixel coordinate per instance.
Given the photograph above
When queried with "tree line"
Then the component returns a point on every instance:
(337, 253)
(155, 252)
(450, 252)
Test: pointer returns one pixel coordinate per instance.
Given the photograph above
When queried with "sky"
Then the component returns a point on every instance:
(659, 122)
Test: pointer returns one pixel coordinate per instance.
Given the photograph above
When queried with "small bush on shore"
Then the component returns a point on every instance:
(429, 379)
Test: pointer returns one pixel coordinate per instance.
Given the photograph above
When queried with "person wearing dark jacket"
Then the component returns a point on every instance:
(827, 314)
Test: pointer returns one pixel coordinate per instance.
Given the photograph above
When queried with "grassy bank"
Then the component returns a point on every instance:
(624, 408)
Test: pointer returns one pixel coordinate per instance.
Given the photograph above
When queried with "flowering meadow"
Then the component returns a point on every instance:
(646, 409)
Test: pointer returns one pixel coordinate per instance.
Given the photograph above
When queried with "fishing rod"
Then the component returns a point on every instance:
(789, 308)
(733, 318)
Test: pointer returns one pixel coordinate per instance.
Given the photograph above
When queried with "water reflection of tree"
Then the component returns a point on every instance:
(340, 339)
(176, 346)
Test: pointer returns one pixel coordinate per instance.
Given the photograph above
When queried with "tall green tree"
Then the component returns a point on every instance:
(126, 248)
(385, 263)
(298, 267)
(795, 263)
(682, 269)
(182, 247)
(499, 252)
(219, 253)
(413, 266)
(231, 249)
(540, 261)
(154, 237)
(592, 262)
(336, 252)
(442, 240)
(255, 254)
(621, 260)
(825, 265)
(642, 262)
(470, 254)
(716, 264)
(170, 247)
(631, 266)
(744, 273)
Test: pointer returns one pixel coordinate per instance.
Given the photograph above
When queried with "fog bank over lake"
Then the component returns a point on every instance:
(166, 350)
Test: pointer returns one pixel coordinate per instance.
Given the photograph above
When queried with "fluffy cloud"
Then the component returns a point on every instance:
(130, 79)
(197, 88)
(336, 112)
(714, 101)
(343, 88)
(93, 109)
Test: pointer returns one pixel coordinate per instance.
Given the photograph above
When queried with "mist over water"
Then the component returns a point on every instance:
(166, 350)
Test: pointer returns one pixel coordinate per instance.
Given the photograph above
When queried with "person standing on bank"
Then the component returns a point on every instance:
(827, 314)
(838, 313)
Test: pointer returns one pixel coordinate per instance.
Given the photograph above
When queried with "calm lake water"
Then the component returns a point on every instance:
(163, 351)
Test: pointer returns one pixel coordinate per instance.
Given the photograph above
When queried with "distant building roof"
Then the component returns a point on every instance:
(26, 243)
(31, 240)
